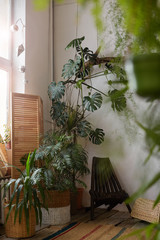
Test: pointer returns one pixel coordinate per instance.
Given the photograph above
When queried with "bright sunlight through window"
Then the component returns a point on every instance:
(4, 28)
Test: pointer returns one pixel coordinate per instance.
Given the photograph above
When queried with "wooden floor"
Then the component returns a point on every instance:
(120, 219)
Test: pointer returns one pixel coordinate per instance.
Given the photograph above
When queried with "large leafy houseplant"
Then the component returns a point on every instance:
(64, 161)
(70, 116)
(27, 191)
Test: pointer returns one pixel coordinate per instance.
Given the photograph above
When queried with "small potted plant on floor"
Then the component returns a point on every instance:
(23, 210)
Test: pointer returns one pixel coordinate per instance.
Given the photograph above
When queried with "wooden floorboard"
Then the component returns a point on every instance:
(114, 218)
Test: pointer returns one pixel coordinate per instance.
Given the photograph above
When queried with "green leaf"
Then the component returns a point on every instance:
(75, 42)
(157, 200)
(71, 68)
(56, 91)
(97, 136)
(83, 128)
(93, 103)
(41, 4)
(144, 188)
(28, 165)
(118, 100)
(58, 113)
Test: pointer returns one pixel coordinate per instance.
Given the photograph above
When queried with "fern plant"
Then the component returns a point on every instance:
(27, 192)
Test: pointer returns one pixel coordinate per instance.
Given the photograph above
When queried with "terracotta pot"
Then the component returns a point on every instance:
(144, 74)
(76, 200)
(79, 197)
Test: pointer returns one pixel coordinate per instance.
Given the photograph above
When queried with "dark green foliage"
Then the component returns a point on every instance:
(118, 100)
(71, 68)
(83, 128)
(56, 91)
(58, 113)
(75, 43)
(92, 103)
(97, 136)
(64, 161)
(28, 184)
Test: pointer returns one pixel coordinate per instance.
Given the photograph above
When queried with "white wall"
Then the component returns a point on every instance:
(124, 142)
(37, 55)
(18, 37)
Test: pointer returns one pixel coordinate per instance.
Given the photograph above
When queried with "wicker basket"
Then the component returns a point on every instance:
(58, 208)
(143, 210)
(56, 199)
(19, 230)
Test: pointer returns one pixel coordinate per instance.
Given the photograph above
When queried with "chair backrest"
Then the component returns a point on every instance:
(103, 176)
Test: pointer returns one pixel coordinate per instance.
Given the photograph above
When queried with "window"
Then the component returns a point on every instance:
(5, 61)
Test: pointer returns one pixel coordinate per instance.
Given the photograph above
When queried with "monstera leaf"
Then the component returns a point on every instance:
(56, 91)
(118, 100)
(75, 42)
(93, 103)
(58, 113)
(83, 128)
(97, 136)
(71, 68)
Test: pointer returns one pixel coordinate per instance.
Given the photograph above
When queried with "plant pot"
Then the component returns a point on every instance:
(58, 208)
(19, 230)
(79, 197)
(144, 74)
(76, 200)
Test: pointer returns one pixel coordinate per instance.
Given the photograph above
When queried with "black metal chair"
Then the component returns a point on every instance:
(105, 187)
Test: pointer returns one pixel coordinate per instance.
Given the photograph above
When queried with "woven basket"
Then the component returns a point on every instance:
(19, 230)
(143, 210)
(56, 199)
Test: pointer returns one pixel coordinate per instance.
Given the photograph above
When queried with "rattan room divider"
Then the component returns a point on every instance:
(27, 127)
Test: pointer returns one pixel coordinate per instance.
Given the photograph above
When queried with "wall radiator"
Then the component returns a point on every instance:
(2, 182)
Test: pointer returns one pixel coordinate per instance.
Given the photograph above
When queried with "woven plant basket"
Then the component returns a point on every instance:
(19, 230)
(143, 210)
(58, 208)
(56, 199)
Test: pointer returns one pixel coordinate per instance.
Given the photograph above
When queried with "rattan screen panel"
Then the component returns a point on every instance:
(27, 127)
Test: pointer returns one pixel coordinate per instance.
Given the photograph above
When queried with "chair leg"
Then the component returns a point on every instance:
(92, 208)
(129, 208)
(111, 206)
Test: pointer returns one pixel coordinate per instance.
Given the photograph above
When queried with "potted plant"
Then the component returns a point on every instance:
(23, 210)
(6, 139)
(63, 161)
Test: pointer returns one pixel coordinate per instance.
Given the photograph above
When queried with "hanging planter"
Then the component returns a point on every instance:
(144, 74)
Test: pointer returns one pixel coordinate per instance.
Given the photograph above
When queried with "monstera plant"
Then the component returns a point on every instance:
(70, 115)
